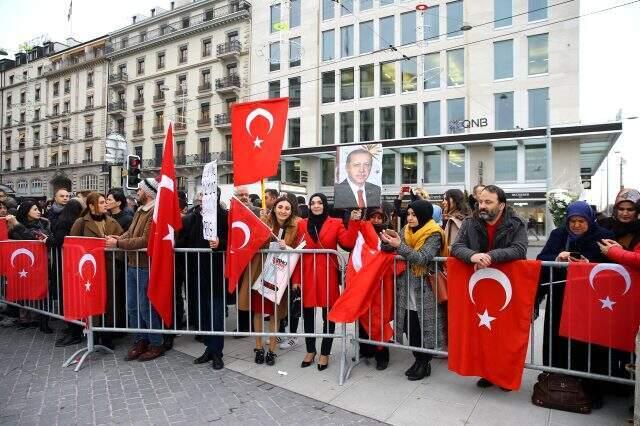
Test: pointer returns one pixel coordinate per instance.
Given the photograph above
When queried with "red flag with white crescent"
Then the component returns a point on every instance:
(24, 264)
(4, 231)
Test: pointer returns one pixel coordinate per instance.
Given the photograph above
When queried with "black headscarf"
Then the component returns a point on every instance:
(423, 211)
(23, 211)
(315, 222)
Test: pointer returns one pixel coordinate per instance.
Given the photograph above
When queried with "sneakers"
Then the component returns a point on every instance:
(289, 344)
(279, 340)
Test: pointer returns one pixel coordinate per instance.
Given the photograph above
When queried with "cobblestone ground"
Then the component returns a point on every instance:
(35, 389)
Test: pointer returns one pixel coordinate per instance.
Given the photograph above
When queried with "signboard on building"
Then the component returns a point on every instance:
(115, 148)
(455, 125)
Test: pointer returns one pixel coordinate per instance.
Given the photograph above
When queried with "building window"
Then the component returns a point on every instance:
(274, 56)
(346, 127)
(204, 111)
(455, 67)
(160, 60)
(387, 32)
(408, 27)
(328, 129)
(366, 81)
(67, 109)
(295, 52)
(409, 162)
(346, 7)
(328, 166)
(366, 4)
(294, 13)
(409, 121)
(295, 86)
(292, 171)
(328, 45)
(37, 184)
(206, 48)
(535, 162)
(387, 2)
(140, 67)
(182, 54)
(139, 124)
(346, 41)
(89, 182)
(328, 87)
(204, 147)
(274, 89)
(89, 101)
(409, 69)
(366, 36)
(502, 11)
(387, 78)
(454, 18)
(275, 17)
(538, 54)
(455, 115)
(431, 75)
(504, 110)
(88, 155)
(294, 132)
(185, 22)
(503, 59)
(387, 123)
(90, 79)
(56, 88)
(38, 92)
(538, 115)
(431, 23)
(506, 163)
(366, 125)
(388, 169)
(455, 166)
(432, 167)
(328, 11)
(346, 84)
(143, 36)
(537, 10)
(67, 86)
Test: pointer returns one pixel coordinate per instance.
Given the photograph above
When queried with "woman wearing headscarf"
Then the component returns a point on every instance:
(320, 280)
(625, 247)
(421, 317)
(455, 210)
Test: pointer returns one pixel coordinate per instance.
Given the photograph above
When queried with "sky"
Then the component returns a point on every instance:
(608, 61)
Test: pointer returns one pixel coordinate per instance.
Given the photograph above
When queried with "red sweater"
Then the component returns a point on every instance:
(625, 257)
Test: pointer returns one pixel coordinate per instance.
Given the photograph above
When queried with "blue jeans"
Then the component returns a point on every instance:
(215, 344)
(139, 310)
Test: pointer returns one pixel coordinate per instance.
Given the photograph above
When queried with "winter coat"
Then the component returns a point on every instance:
(124, 218)
(137, 237)
(33, 230)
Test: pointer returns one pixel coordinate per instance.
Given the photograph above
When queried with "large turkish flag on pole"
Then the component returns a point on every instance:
(257, 134)
(166, 222)
(84, 277)
(24, 264)
(601, 305)
(4, 232)
(247, 233)
(490, 312)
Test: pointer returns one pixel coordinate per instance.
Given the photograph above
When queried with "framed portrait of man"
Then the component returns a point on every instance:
(358, 176)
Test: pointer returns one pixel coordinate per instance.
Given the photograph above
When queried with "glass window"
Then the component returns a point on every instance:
(295, 52)
(274, 89)
(328, 45)
(506, 163)
(502, 11)
(274, 56)
(366, 80)
(455, 115)
(294, 132)
(327, 9)
(432, 118)
(328, 166)
(366, 125)
(366, 4)
(409, 68)
(432, 167)
(455, 67)
(535, 162)
(409, 163)
(275, 17)
(454, 18)
(346, 41)
(292, 171)
(387, 123)
(538, 54)
(295, 87)
(409, 121)
(346, 84)
(504, 110)
(408, 27)
(455, 166)
(503, 59)
(366, 36)
(328, 86)
(346, 127)
(388, 169)
(386, 2)
(387, 78)
(387, 31)
(431, 77)
(328, 129)
(537, 10)
(538, 107)
(431, 23)
(346, 7)
(294, 13)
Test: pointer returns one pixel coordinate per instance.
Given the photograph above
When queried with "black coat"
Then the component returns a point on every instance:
(33, 230)
(124, 218)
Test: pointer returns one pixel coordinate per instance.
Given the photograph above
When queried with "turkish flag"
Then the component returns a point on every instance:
(601, 305)
(247, 234)
(25, 265)
(84, 277)
(166, 221)
(4, 233)
(490, 312)
(368, 278)
(257, 134)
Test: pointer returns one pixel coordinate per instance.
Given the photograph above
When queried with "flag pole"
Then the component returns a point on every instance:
(264, 202)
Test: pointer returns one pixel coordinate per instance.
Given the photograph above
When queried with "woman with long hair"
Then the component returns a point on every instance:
(455, 210)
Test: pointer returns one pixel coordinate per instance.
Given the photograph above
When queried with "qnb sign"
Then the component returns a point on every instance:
(468, 124)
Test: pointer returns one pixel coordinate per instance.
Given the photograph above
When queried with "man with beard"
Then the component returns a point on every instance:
(494, 234)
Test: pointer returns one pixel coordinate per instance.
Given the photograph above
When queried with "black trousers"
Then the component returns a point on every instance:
(414, 332)
(369, 351)
(309, 315)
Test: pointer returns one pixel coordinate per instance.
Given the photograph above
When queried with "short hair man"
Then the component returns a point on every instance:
(494, 234)
(242, 194)
(60, 199)
(270, 197)
(355, 191)
(147, 346)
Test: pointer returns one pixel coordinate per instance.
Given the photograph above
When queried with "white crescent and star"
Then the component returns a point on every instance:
(84, 259)
(258, 112)
(245, 229)
(607, 303)
(498, 276)
(29, 254)
(165, 182)
(356, 255)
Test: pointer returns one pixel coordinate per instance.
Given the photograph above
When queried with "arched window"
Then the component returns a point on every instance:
(22, 186)
(36, 186)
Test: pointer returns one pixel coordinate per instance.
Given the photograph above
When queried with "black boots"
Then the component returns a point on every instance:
(419, 370)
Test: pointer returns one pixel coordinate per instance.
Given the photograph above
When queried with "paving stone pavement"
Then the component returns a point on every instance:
(35, 389)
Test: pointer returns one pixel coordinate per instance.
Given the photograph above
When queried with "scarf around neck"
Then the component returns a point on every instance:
(416, 239)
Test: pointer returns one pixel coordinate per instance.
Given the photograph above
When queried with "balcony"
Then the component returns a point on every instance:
(158, 129)
(180, 126)
(158, 98)
(230, 49)
(21, 145)
(88, 135)
(117, 108)
(222, 121)
(204, 122)
(179, 93)
(138, 102)
(59, 66)
(151, 162)
(119, 79)
(63, 163)
(36, 142)
(87, 160)
(228, 84)
(88, 107)
(205, 87)
(137, 132)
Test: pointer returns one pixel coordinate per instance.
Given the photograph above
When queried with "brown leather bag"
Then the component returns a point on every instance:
(561, 392)
(439, 285)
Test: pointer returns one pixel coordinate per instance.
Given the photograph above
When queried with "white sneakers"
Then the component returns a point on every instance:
(289, 344)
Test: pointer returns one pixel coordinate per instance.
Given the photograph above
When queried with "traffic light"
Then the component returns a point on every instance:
(133, 171)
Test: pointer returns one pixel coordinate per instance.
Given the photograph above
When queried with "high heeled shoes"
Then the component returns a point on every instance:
(322, 367)
(305, 364)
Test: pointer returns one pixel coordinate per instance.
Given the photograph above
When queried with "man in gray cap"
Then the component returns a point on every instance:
(147, 346)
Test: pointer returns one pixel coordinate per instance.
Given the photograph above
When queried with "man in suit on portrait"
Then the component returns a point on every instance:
(355, 191)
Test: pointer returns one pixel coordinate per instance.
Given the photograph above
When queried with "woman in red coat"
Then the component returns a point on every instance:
(320, 272)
